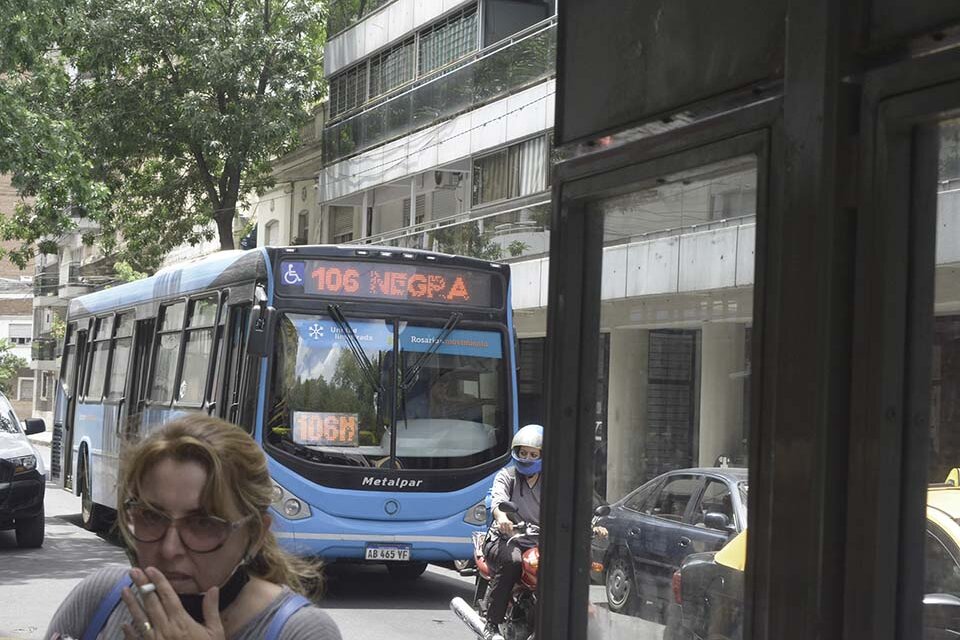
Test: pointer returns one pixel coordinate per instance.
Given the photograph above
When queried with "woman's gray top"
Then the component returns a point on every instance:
(76, 611)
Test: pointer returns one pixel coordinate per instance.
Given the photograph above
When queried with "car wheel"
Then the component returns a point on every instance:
(621, 587)
(30, 531)
(90, 512)
(406, 570)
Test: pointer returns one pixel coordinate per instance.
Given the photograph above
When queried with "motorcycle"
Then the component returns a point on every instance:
(520, 617)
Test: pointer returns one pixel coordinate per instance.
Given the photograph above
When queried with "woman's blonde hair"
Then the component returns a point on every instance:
(236, 474)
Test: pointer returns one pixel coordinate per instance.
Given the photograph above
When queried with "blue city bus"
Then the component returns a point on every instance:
(380, 382)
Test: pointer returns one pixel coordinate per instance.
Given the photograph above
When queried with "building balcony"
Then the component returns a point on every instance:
(46, 284)
(343, 14)
(43, 349)
(515, 233)
(506, 68)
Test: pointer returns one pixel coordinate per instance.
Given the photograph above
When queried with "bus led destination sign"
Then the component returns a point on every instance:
(415, 283)
(325, 429)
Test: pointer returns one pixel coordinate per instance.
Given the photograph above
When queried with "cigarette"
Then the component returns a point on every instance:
(146, 588)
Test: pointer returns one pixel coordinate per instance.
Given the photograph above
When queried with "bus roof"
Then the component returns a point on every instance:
(219, 269)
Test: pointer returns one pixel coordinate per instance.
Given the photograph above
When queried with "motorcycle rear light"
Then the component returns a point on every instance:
(676, 585)
(597, 567)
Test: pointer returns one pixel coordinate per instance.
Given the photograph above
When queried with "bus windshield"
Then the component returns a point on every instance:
(337, 404)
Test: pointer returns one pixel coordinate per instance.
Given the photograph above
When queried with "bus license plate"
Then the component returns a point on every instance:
(385, 553)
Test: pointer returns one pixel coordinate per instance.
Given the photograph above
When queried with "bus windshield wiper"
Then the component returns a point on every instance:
(355, 347)
(414, 370)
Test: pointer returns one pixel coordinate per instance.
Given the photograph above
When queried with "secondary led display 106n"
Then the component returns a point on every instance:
(382, 281)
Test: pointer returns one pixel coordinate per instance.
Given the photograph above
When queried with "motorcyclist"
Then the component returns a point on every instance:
(519, 484)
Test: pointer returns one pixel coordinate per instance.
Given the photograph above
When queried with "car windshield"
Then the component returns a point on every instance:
(8, 419)
(335, 381)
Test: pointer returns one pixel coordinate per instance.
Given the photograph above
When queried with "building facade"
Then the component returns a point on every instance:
(16, 309)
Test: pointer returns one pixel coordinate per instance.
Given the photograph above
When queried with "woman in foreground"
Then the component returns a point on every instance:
(193, 500)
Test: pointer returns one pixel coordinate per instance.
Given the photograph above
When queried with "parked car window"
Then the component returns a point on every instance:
(943, 574)
(716, 498)
(672, 501)
(642, 499)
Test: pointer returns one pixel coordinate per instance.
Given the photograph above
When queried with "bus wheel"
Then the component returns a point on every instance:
(406, 570)
(90, 512)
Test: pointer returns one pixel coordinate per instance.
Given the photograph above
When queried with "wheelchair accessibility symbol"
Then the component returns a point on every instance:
(294, 273)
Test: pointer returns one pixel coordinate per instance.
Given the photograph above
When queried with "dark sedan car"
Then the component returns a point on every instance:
(653, 528)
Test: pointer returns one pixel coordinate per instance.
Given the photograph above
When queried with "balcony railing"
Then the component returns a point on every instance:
(44, 349)
(46, 284)
(343, 14)
(506, 235)
(510, 66)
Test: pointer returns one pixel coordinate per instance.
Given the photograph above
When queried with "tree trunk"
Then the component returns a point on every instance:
(225, 229)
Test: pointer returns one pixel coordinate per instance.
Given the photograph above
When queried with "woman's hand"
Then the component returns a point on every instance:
(159, 615)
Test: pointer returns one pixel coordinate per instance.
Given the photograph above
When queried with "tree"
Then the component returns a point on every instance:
(466, 240)
(163, 117)
(10, 365)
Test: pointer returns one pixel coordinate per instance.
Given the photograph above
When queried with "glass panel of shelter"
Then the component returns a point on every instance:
(941, 603)
(673, 418)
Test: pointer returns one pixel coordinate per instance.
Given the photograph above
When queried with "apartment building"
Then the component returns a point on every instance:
(16, 310)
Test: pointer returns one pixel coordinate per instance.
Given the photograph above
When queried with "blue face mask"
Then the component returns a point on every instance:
(527, 467)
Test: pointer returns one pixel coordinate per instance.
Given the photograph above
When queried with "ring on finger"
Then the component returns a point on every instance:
(146, 626)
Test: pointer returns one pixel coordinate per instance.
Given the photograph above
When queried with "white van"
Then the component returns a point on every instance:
(22, 477)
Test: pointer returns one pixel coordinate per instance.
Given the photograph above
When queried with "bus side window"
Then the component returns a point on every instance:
(98, 362)
(166, 350)
(197, 351)
(120, 357)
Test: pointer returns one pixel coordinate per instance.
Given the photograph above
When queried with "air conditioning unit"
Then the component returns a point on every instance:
(447, 179)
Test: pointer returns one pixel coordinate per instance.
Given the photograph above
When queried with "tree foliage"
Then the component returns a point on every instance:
(10, 365)
(154, 118)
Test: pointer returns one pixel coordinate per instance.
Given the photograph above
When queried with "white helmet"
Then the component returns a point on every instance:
(529, 436)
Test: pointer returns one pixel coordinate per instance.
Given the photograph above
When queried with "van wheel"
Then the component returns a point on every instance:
(90, 512)
(30, 531)
(406, 570)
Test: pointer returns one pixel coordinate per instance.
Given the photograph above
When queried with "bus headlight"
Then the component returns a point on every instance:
(288, 505)
(477, 514)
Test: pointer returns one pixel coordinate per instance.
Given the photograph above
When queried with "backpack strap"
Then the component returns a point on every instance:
(292, 604)
(105, 608)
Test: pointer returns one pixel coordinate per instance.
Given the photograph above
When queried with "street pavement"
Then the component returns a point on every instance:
(363, 600)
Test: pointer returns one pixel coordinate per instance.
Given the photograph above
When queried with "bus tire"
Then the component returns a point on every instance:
(406, 570)
(91, 514)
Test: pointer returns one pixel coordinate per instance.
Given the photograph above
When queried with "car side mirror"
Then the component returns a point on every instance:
(602, 510)
(941, 612)
(715, 520)
(34, 425)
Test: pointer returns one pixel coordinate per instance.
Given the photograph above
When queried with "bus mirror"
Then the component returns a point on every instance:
(260, 335)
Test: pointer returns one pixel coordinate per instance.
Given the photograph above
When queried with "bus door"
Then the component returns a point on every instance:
(137, 383)
(73, 366)
(235, 368)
